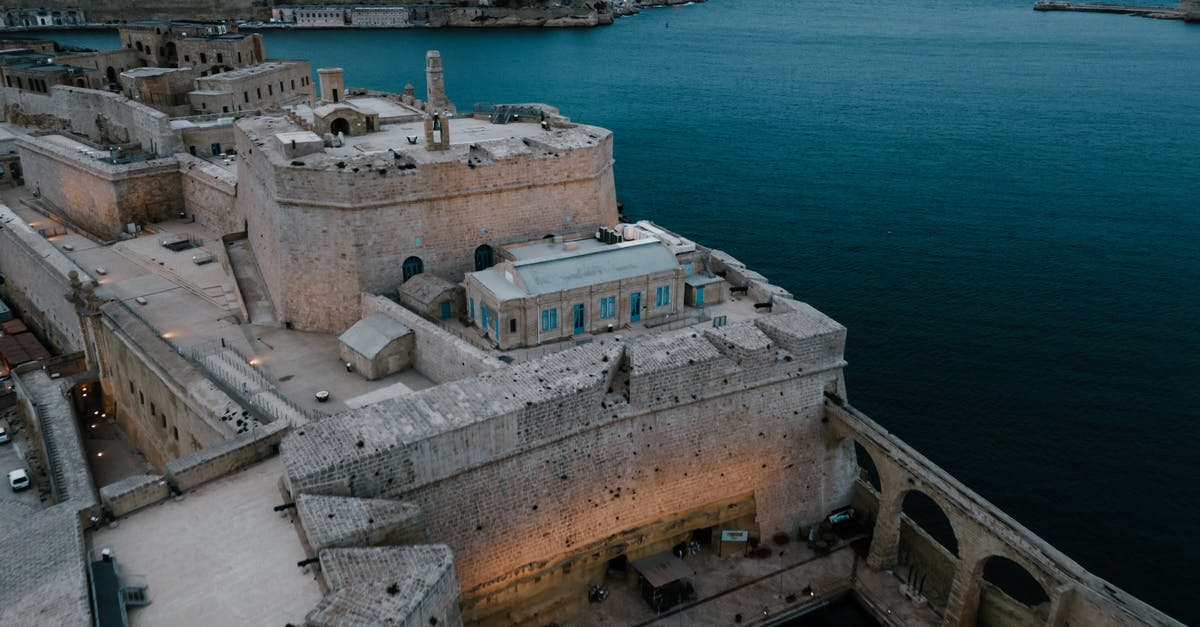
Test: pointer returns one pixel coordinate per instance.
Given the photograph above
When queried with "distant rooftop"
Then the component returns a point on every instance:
(261, 68)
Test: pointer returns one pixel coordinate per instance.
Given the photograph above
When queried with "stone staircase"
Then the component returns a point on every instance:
(251, 386)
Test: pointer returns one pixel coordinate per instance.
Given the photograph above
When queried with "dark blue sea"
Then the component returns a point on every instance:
(1001, 205)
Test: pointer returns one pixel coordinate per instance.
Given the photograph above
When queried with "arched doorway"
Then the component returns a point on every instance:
(412, 267)
(111, 75)
(1008, 590)
(172, 53)
(340, 125)
(484, 258)
(867, 470)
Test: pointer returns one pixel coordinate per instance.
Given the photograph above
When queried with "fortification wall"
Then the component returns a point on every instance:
(37, 283)
(209, 192)
(545, 456)
(225, 457)
(166, 407)
(133, 493)
(441, 356)
(101, 197)
(381, 214)
(104, 117)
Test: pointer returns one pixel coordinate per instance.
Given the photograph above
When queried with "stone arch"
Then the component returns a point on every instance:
(868, 469)
(340, 125)
(172, 51)
(985, 602)
(932, 518)
(412, 267)
(484, 257)
(139, 46)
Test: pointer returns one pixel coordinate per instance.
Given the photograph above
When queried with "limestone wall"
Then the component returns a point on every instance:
(350, 229)
(209, 192)
(441, 356)
(104, 117)
(97, 196)
(554, 462)
(222, 458)
(166, 407)
(37, 282)
(133, 493)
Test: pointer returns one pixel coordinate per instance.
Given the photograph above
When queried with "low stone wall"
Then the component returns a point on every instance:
(133, 493)
(441, 355)
(104, 117)
(221, 459)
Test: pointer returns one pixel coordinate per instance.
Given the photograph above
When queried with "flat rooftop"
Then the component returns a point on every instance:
(220, 556)
(197, 306)
(266, 67)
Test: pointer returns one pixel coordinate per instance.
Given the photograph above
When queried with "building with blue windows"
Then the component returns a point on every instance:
(559, 289)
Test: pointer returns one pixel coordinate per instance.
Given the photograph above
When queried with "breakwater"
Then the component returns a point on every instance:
(1162, 13)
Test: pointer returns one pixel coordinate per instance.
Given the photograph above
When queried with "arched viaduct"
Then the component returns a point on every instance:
(982, 532)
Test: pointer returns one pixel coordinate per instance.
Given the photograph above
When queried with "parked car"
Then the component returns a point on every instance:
(18, 479)
(3, 435)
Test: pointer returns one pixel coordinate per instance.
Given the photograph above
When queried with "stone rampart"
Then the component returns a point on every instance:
(440, 355)
(98, 196)
(222, 458)
(438, 209)
(561, 453)
(104, 117)
(133, 493)
(410, 586)
(166, 407)
(209, 192)
(37, 282)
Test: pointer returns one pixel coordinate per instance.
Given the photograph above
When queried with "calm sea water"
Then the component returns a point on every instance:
(999, 204)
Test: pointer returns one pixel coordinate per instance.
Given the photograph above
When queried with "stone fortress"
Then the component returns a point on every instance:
(472, 387)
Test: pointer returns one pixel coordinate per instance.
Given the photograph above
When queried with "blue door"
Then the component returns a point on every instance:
(635, 306)
(445, 310)
(699, 296)
(579, 322)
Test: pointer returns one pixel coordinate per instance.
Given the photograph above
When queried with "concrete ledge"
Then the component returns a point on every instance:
(236, 453)
(133, 493)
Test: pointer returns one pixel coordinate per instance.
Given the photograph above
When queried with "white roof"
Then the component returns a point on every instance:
(372, 334)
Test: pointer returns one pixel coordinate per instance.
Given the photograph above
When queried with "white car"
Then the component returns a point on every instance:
(18, 479)
(3, 435)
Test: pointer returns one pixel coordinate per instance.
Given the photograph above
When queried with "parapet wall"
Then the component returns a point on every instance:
(37, 282)
(133, 493)
(440, 355)
(225, 457)
(104, 117)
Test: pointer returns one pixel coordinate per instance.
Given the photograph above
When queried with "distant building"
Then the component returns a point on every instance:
(33, 18)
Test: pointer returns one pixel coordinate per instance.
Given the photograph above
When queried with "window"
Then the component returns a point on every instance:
(259, 90)
(483, 316)
(270, 90)
(293, 85)
(239, 57)
(176, 430)
(549, 319)
(471, 308)
(203, 57)
(608, 307)
(142, 398)
(687, 268)
(512, 325)
(152, 409)
(164, 420)
(662, 296)
(131, 390)
(220, 58)
(246, 96)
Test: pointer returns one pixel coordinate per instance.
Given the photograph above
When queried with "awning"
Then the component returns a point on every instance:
(662, 569)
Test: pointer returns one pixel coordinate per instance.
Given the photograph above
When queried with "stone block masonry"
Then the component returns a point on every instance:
(558, 454)
(133, 493)
(335, 521)
(411, 586)
(38, 282)
(223, 458)
(98, 196)
(208, 192)
(440, 355)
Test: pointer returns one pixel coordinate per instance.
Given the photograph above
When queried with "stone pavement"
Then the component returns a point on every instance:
(220, 556)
